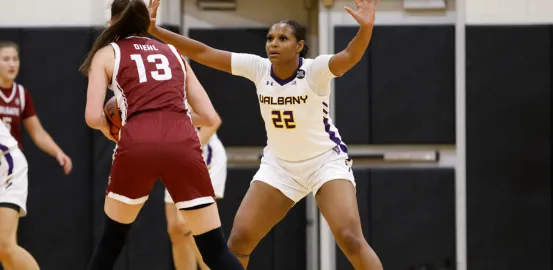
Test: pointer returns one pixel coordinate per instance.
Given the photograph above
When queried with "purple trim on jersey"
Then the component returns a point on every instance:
(209, 155)
(332, 134)
(9, 158)
(289, 79)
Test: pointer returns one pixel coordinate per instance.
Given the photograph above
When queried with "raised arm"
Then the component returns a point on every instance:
(193, 49)
(343, 61)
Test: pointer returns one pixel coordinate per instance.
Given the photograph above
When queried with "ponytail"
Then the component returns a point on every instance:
(133, 20)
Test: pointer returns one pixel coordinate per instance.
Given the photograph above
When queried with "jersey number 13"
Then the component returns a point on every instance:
(162, 72)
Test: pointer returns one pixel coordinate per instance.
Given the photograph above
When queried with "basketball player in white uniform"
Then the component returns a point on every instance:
(13, 202)
(304, 152)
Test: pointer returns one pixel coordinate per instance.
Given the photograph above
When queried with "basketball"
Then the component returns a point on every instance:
(113, 115)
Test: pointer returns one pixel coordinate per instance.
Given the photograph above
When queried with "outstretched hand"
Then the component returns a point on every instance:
(364, 14)
(153, 5)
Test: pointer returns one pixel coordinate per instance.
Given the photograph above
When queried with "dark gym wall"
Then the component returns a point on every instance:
(403, 89)
(509, 146)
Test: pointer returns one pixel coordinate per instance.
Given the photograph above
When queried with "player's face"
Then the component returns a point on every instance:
(282, 46)
(9, 63)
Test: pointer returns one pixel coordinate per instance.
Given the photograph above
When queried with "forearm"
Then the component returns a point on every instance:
(44, 142)
(186, 45)
(205, 134)
(359, 44)
(195, 50)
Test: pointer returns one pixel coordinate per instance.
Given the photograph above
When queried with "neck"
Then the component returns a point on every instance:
(4, 83)
(286, 70)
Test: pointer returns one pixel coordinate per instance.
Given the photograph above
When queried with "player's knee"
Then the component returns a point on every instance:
(6, 248)
(349, 241)
(177, 231)
(241, 240)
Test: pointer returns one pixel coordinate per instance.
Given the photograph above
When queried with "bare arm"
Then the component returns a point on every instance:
(204, 114)
(40, 137)
(343, 61)
(98, 79)
(196, 50)
(44, 141)
(206, 131)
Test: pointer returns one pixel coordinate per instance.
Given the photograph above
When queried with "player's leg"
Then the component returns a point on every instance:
(131, 180)
(13, 198)
(12, 256)
(186, 177)
(338, 204)
(261, 209)
(270, 196)
(180, 236)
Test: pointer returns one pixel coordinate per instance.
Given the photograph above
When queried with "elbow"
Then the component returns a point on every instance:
(92, 120)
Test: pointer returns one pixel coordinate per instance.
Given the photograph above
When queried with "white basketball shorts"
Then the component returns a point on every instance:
(296, 179)
(216, 160)
(13, 179)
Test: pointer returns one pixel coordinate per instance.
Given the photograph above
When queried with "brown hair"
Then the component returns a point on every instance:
(9, 44)
(131, 18)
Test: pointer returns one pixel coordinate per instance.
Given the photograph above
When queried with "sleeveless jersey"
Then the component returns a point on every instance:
(148, 76)
(15, 105)
(296, 111)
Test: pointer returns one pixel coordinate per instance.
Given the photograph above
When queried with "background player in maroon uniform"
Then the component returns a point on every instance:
(157, 139)
(16, 106)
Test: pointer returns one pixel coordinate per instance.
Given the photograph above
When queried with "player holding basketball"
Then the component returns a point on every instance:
(185, 252)
(16, 106)
(157, 138)
(304, 151)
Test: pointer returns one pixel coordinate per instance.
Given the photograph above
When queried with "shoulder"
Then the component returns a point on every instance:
(247, 57)
(105, 52)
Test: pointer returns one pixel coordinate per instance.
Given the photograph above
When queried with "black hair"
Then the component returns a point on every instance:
(131, 18)
(9, 44)
(300, 33)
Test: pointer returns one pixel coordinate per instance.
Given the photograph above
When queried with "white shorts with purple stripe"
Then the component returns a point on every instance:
(13, 178)
(296, 179)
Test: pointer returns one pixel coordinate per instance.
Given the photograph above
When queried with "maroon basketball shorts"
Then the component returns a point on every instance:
(165, 146)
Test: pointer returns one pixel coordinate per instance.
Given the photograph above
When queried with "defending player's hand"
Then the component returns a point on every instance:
(365, 12)
(153, 5)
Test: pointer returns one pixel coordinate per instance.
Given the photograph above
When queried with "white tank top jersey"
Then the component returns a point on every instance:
(296, 111)
(7, 141)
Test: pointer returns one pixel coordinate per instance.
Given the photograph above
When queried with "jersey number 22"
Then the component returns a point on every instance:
(283, 119)
(163, 66)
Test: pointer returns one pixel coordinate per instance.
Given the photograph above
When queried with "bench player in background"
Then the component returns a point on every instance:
(16, 106)
(304, 153)
(157, 139)
(185, 252)
(13, 200)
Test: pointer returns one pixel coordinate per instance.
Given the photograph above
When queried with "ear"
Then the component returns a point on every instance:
(300, 45)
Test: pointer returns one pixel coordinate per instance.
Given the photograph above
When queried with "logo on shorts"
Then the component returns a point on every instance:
(336, 149)
(349, 163)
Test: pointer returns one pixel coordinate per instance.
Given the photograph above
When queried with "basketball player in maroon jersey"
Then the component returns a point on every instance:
(16, 106)
(157, 139)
